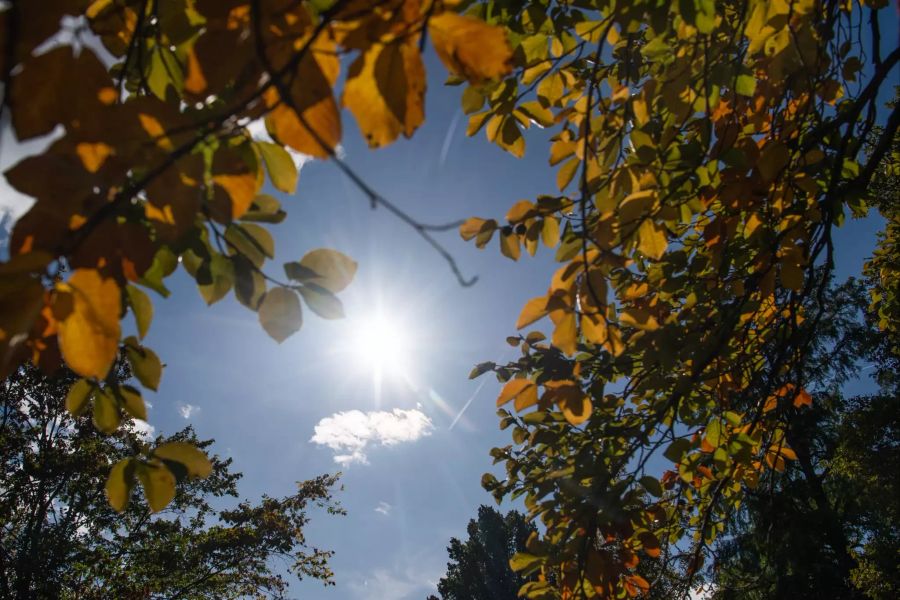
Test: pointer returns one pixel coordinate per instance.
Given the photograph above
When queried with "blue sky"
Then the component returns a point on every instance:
(262, 401)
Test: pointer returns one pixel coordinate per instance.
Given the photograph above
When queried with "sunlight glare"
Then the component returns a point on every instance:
(382, 346)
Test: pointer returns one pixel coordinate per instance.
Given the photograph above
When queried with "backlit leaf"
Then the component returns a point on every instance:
(141, 307)
(280, 313)
(89, 335)
(78, 396)
(332, 270)
(385, 91)
(158, 483)
(106, 412)
(322, 302)
(513, 388)
(119, 484)
(145, 363)
(470, 47)
(534, 309)
(193, 459)
(281, 167)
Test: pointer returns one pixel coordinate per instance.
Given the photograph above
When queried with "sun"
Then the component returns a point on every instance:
(381, 346)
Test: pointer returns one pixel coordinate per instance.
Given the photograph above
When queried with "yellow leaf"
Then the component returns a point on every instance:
(89, 334)
(470, 47)
(158, 483)
(316, 132)
(280, 314)
(513, 388)
(509, 245)
(472, 227)
(520, 211)
(193, 459)
(593, 326)
(118, 484)
(567, 172)
(505, 133)
(385, 91)
(526, 398)
(571, 399)
(534, 310)
(652, 241)
(550, 232)
(78, 396)
(640, 318)
(565, 335)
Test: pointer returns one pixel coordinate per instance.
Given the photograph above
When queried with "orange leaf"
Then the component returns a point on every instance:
(470, 47)
(565, 336)
(650, 543)
(534, 310)
(385, 91)
(513, 388)
(803, 398)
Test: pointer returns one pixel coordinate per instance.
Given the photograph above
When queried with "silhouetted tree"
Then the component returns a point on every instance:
(59, 537)
(479, 567)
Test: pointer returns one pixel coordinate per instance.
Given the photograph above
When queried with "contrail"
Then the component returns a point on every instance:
(468, 402)
(445, 149)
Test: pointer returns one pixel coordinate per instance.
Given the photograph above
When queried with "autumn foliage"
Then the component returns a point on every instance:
(704, 153)
(154, 168)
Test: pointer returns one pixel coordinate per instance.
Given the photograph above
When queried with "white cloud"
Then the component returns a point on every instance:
(349, 433)
(144, 429)
(382, 583)
(186, 410)
(383, 508)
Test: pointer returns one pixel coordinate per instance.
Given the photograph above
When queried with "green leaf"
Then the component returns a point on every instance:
(132, 402)
(322, 302)
(221, 276)
(281, 167)
(106, 412)
(142, 308)
(119, 484)
(193, 459)
(677, 449)
(252, 241)
(522, 561)
(265, 209)
(164, 263)
(280, 313)
(249, 284)
(745, 85)
(472, 100)
(481, 369)
(144, 362)
(158, 483)
(651, 484)
(78, 396)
